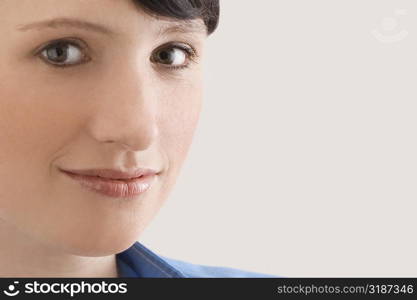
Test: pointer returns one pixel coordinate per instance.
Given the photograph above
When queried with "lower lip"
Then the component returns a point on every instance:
(113, 187)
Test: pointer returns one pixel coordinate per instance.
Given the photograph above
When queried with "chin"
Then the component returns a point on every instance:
(96, 246)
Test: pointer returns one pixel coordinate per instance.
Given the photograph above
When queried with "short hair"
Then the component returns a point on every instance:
(207, 10)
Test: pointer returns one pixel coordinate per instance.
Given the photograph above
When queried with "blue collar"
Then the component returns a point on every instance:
(139, 261)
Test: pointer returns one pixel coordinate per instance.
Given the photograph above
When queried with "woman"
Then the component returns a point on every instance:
(99, 102)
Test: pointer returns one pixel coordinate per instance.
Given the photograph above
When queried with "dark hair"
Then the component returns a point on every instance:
(208, 10)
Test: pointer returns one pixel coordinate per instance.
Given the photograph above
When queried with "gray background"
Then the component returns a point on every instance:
(304, 161)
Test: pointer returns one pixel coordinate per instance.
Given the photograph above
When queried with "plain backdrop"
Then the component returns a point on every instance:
(304, 161)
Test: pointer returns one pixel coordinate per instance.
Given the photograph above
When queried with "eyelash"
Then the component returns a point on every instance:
(189, 50)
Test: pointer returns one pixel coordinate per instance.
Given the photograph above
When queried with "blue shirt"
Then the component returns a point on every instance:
(139, 261)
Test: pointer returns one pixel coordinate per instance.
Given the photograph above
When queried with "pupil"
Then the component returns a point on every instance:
(57, 53)
(165, 56)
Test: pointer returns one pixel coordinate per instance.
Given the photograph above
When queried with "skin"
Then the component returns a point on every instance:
(118, 110)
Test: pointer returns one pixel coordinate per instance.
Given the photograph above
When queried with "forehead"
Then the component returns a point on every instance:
(107, 17)
(164, 27)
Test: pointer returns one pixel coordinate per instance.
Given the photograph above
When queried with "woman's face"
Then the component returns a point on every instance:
(114, 104)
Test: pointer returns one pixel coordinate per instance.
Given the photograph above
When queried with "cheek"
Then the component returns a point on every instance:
(179, 115)
(34, 124)
(179, 119)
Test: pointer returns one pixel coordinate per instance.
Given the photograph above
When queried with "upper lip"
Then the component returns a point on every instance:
(113, 173)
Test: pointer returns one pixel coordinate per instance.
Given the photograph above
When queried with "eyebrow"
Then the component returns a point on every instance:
(66, 22)
(184, 26)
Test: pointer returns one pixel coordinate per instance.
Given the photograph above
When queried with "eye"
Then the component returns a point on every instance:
(64, 53)
(174, 56)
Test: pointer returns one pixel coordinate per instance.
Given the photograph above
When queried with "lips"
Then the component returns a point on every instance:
(113, 174)
(114, 183)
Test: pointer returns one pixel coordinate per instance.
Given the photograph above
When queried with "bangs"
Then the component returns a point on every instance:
(207, 10)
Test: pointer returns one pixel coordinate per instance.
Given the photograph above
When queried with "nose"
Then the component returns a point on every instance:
(125, 108)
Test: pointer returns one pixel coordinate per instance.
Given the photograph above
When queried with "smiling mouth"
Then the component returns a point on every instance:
(106, 178)
(129, 187)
